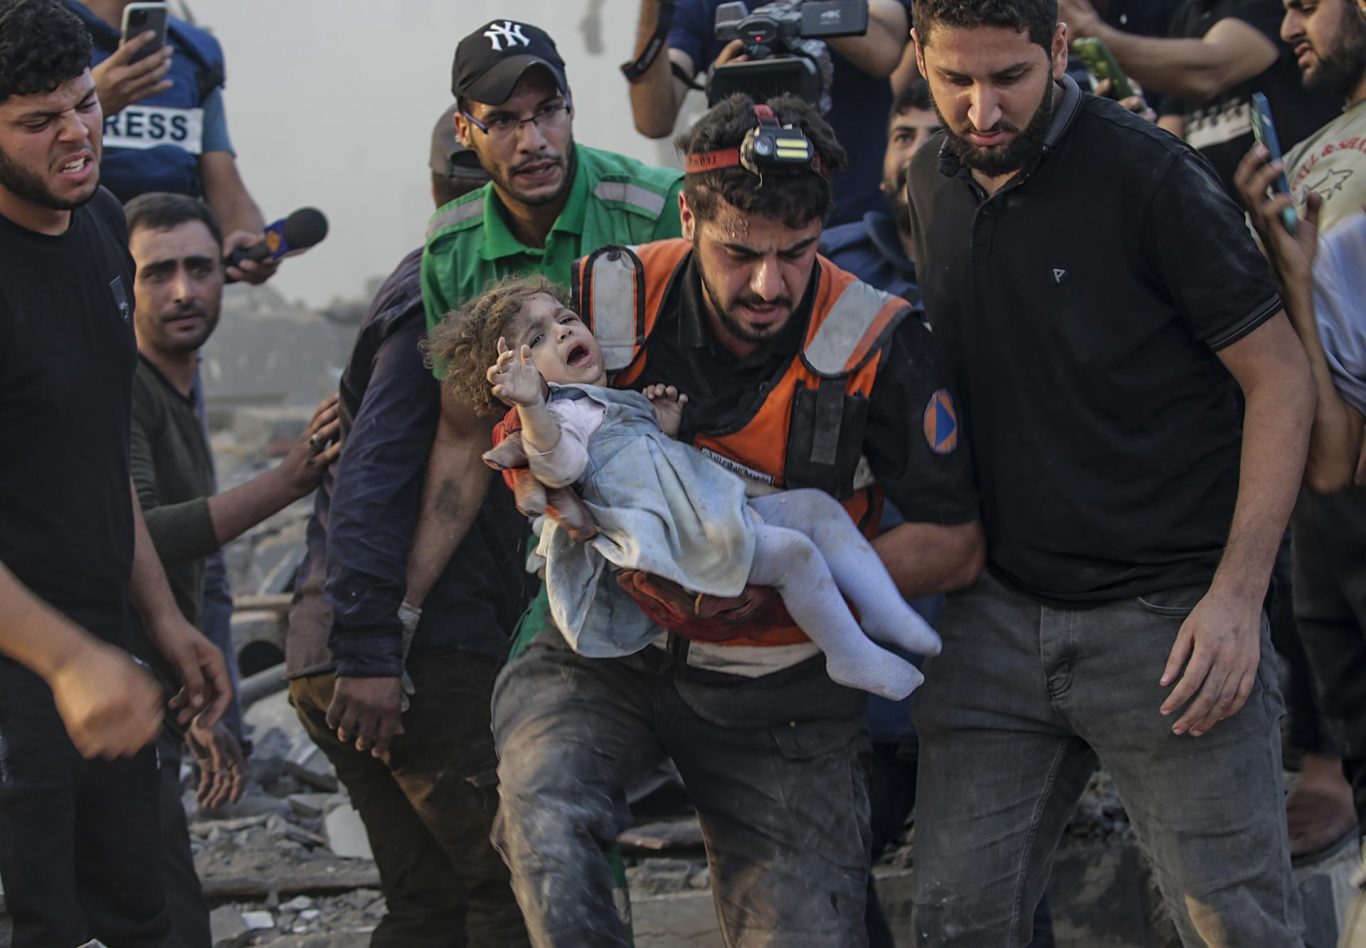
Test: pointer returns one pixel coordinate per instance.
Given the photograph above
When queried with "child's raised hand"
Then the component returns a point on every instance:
(514, 378)
(668, 402)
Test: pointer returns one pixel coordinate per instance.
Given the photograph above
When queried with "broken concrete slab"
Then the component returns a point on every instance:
(682, 834)
(226, 925)
(256, 921)
(309, 805)
(310, 764)
(654, 876)
(346, 834)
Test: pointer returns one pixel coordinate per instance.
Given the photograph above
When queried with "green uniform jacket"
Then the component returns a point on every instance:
(613, 200)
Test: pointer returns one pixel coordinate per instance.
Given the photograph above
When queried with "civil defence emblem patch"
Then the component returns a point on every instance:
(941, 423)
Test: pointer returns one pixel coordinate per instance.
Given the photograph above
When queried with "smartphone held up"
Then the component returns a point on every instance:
(138, 18)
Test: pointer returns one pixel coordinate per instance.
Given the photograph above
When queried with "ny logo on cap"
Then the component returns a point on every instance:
(506, 32)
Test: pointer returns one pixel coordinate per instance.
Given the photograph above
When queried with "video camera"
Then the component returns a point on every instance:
(784, 48)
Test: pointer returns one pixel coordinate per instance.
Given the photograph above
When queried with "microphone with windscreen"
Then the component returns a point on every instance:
(299, 231)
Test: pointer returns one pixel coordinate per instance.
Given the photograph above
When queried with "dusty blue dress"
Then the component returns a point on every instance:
(661, 507)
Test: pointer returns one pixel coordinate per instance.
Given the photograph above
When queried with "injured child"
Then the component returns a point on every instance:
(660, 505)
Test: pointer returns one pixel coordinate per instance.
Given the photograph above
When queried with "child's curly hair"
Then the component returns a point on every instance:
(465, 343)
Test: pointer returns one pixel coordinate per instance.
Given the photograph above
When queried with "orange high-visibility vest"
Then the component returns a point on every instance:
(808, 431)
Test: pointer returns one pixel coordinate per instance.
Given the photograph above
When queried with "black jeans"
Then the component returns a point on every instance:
(80, 852)
(1013, 716)
(429, 808)
(1330, 611)
(772, 764)
(184, 895)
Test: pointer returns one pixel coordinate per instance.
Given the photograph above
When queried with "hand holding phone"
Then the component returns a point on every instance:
(1264, 131)
(138, 18)
(1101, 64)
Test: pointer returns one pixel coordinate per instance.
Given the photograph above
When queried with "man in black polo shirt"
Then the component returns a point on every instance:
(78, 839)
(1103, 303)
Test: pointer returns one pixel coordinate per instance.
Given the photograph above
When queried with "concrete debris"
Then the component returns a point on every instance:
(346, 833)
(311, 766)
(226, 925)
(258, 920)
(309, 805)
(655, 876)
(684, 833)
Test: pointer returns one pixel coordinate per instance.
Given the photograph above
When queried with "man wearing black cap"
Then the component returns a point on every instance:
(422, 779)
(550, 200)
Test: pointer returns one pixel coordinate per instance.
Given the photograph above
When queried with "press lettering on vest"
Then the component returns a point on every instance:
(148, 126)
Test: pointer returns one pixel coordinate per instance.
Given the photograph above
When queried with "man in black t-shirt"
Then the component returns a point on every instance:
(1219, 53)
(78, 838)
(1102, 303)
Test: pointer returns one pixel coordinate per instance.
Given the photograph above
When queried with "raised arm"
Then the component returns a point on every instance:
(1196, 70)
(197, 528)
(556, 455)
(877, 52)
(1335, 437)
(657, 96)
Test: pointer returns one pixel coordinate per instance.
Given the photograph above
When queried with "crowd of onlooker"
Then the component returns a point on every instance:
(1075, 337)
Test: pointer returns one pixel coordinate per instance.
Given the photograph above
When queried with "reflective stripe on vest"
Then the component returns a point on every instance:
(850, 330)
(611, 289)
(849, 323)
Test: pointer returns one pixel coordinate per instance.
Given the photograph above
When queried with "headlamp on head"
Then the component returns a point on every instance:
(767, 148)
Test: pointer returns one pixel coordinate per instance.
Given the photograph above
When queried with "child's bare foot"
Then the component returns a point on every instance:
(668, 402)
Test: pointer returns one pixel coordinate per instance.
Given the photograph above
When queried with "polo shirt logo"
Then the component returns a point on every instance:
(941, 423)
(506, 31)
(1059, 274)
(120, 295)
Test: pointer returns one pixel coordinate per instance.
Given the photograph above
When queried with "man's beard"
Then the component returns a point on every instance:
(164, 341)
(1341, 68)
(568, 161)
(22, 183)
(1002, 160)
(733, 324)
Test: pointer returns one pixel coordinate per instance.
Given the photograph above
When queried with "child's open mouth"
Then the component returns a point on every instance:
(577, 356)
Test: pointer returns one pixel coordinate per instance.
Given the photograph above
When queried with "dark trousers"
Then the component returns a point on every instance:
(79, 843)
(1013, 716)
(773, 766)
(429, 808)
(1330, 611)
(1306, 727)
(184, 895)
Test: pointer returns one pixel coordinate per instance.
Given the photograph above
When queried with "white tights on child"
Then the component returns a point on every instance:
(811, 552)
